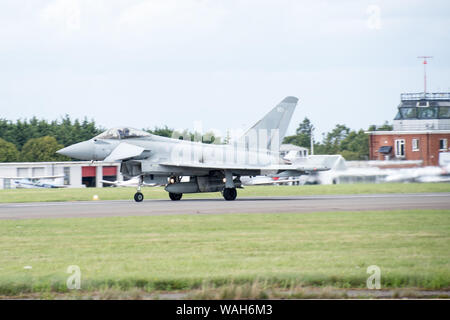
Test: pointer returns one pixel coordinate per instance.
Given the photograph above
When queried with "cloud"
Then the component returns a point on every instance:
(64, 14)
(171, 14)
(374, 17)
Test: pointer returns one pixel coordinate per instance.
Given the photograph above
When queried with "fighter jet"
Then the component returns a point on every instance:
(211, 167)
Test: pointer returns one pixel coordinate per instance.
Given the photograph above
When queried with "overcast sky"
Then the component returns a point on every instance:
(146, 63)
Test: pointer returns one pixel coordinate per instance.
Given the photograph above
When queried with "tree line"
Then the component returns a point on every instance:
(38, 140)
(351, 144)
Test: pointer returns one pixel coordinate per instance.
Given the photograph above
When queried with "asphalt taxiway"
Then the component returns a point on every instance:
(288, 204)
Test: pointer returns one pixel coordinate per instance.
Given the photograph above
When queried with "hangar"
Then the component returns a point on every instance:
(74, 174)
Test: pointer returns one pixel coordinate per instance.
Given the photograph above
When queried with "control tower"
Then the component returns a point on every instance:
(423, 111)
(421, 130)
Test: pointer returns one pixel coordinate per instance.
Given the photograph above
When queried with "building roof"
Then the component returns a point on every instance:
(398, 132)
(424, 106)
(290, 147)
(430, 96)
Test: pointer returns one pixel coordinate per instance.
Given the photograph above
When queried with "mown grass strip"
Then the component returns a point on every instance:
(185, 251)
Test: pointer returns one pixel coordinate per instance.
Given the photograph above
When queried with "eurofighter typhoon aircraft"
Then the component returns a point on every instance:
(211, 167)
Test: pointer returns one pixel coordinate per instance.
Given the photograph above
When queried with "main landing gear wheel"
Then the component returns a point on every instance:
(175, 196)
(229, 194)
(138, 197)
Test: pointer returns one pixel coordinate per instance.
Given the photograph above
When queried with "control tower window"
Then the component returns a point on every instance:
(122, 133)
(444, 112)
(408, 113)
(428, 113)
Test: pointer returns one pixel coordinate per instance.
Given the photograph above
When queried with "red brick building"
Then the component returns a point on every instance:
(421, 130)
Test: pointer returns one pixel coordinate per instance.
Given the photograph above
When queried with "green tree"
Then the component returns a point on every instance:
(8, 151)
(227, 139)
(302, 135)
(332, 140)
(163, 131)
(210, 138)
(355, 146)
(42, 149)
(65, 131)
(352, 145)
(350, 155)
(384, 127)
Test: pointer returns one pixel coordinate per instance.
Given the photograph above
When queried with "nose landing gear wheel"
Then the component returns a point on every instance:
(229, 194)
(175, 196)
(138, 197)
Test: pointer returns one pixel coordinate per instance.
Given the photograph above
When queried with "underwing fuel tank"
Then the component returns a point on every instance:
(200, 184)
(182, 187)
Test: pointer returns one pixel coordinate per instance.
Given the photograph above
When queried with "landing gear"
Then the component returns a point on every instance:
(229, 194)
(138, 197)
(175, 196)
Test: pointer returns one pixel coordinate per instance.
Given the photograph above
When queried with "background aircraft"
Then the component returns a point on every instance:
(211, 168)
(36, 182)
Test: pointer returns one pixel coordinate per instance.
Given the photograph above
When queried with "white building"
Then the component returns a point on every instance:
(74, 174)
(290, 151)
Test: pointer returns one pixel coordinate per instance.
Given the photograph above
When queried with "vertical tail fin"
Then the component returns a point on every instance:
(273, 125)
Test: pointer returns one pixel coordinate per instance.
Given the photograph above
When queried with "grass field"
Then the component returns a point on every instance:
(170, 253)
(30, 195)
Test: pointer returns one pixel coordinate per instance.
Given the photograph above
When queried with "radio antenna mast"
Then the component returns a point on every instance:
(425, 72)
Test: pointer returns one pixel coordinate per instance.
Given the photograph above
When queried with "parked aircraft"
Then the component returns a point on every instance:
(211, 167)
(36, 182)
(423, 174)
(345, 172)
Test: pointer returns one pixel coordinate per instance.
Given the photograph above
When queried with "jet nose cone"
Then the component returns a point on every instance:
(82, 150)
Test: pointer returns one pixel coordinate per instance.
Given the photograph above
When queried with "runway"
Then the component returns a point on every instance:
(297, 204)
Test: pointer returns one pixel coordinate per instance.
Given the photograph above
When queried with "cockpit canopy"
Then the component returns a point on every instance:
(122, 133)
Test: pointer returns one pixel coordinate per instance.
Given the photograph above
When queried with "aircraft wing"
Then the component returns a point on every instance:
(125, 151)
(47, 185)
(109, 182)
(293, 169)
